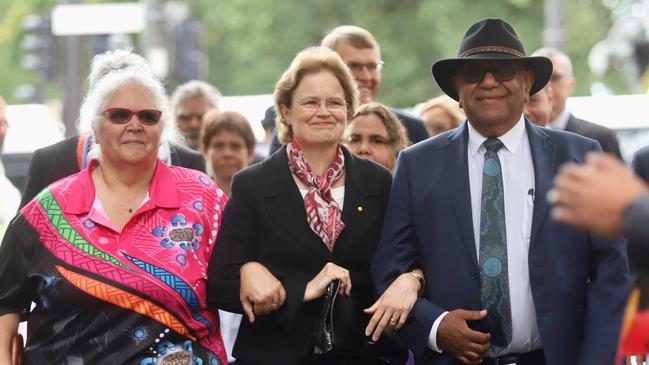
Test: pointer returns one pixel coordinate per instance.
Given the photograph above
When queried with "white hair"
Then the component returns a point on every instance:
(113, 60)
(103, 64)
(194, 89)
(554, 55)
(97, 97)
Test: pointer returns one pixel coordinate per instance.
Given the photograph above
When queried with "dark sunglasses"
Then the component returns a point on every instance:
(123, 115)
(473, 74)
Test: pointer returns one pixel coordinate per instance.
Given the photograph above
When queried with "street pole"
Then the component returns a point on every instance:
(554, 33)
(154, 40)
(73, 76)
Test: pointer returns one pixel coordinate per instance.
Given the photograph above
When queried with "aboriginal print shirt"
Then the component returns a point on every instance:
(105, 297)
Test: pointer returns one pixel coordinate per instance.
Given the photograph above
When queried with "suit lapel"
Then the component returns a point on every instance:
(174, 157)
(286, 205)
(543, 152)
(458, 186)
(361, 207)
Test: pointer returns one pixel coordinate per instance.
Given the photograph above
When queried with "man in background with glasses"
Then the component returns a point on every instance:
(563, 85)
(358, 48)
(190, 101)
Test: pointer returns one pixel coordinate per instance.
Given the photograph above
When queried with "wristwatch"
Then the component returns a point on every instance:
(420, 279)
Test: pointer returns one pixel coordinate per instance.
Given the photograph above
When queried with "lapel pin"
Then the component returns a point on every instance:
(360, 209)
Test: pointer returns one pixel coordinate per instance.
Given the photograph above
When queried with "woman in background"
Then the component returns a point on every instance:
(375, 133)
(441, 114)
(228, 145)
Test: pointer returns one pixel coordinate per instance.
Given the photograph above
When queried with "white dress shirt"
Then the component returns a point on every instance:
(518, 184)
(561, 121)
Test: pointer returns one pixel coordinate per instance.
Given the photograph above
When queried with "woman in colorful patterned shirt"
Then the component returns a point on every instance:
(116, 257)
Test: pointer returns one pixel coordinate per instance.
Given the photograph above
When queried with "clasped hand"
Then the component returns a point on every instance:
(456, 338)
(330, 272)
(260, 292)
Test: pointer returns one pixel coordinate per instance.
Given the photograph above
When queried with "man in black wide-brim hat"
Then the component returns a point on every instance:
(504, 283)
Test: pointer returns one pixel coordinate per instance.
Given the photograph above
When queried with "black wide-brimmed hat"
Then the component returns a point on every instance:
(486, 40)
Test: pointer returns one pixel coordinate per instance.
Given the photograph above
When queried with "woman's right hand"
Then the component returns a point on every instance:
(391, 310)
(260, 292)
(330, 272)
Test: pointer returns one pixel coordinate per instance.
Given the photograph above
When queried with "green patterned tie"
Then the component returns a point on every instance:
(494, 289)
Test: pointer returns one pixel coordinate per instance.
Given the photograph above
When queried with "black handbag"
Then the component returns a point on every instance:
(340, 333)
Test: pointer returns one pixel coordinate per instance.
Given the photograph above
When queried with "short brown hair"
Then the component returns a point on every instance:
(355, 36)
(397, 136)
(215, 122)
(308, 61)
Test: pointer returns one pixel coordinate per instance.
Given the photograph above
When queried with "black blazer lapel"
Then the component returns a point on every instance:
(362, 203)
(285, 203)
(458, 186)
(543, 152)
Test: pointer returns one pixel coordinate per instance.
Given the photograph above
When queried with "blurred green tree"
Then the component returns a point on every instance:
(251, 42)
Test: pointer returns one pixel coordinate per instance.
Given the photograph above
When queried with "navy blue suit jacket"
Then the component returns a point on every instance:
(579, 282)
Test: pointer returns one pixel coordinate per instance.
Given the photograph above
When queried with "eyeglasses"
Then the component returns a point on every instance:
(473, 74)
(371, 66)
(123, 115)
(557, 77)
(332, 104)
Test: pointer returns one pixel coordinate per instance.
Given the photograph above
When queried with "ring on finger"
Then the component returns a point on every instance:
(393, 321)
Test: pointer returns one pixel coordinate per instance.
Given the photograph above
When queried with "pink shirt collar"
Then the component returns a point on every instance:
(162, 192)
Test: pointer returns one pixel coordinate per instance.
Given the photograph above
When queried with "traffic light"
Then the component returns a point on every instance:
(190, 60)
(641, 56)
(38, 45)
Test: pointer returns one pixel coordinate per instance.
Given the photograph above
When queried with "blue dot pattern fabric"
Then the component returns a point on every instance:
(494, 288)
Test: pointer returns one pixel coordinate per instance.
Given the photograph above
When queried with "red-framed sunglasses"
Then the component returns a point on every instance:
(123, 115)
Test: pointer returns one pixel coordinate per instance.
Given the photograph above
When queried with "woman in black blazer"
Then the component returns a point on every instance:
(272, 261)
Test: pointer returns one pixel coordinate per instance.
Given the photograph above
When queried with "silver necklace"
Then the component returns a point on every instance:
(112, 196)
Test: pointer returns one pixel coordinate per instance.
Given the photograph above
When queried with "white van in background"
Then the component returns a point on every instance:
(31, 126)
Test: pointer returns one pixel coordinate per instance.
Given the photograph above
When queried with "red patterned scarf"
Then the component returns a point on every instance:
(322, 211)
